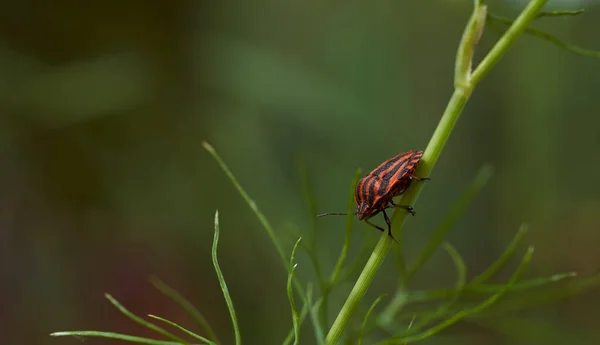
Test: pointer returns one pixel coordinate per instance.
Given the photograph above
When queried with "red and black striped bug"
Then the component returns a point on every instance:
(375, 192)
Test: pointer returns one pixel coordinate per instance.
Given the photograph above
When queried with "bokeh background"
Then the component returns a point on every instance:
(104, 182)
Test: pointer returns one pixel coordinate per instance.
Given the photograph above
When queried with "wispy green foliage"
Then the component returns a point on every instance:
(461, 268)
(483, 289)
(434, 242)
(550, 293)
(563, 13)
(445, 308)
(254, 207)
(290, 292)
(116, 336)
(314, 316)
(142, 321)
(501, 261)
(458, 209)
(495, 19)
(184, 330)
(224, 289)
(408, 336)
(135, 318)
(363, 329)
(187, 306)
(261, 217)
(292, 333)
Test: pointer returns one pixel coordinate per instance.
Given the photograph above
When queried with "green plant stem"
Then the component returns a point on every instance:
(515, 30)
(455, 106)
(359, 289)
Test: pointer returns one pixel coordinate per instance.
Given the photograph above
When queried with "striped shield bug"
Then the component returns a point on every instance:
(375, 192)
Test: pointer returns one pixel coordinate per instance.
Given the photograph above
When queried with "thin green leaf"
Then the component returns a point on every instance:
(412, 322)
(559, 13)
(292, 332)
(117, 336)
(461, 268)
(561, 44)
(481, 179)
(186, 331)
(469, 311)
(435, 240)
(387, 318)
(313, 312)
(527, 284)
(261, 217)
(366, 319)
(501, 261)
(228, 301)
(548, 37)
(143, 322)
(187, 306)
(435, 294)
(323, 285)
(290, 292)
(549, 294)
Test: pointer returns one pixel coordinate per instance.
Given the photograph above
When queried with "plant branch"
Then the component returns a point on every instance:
(514, 31)
(434, 148)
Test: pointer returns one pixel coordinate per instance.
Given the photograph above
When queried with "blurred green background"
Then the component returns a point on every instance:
(104, 105)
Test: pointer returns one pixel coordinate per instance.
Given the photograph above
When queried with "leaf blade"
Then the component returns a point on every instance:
(290, 292)
(186, 305)
(113, 335)
(223, 284)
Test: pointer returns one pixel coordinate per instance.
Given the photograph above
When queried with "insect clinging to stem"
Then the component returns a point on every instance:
(375, 192)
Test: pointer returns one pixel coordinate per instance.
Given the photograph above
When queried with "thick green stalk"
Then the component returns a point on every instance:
(360, 288)
(465, 82)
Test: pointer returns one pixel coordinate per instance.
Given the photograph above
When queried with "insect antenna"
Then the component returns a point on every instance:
(334, 214)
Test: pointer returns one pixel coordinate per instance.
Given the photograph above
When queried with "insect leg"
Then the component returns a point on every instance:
(419, 178)
(381, 229)
(389, 224)
(408, 208)
(375, 226)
